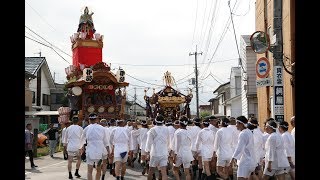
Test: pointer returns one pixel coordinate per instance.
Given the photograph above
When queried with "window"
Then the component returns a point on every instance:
(45, 99)
(238, 84)
(33, 97)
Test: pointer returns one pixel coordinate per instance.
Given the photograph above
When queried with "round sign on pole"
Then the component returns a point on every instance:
(262, 67)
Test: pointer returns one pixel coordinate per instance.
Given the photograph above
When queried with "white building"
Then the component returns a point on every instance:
(248, 82)
(233, 104)
(218, 103)
(40, 88)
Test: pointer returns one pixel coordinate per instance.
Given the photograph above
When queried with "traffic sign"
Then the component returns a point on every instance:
(262, 67)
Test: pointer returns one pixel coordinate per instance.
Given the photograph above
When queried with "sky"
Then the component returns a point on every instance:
(146, 38)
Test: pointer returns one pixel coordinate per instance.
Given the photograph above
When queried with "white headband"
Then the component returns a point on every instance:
(240, 122)
(252, 124)
(271, 127)
(184, 122)
(159, 122)
(284, 126)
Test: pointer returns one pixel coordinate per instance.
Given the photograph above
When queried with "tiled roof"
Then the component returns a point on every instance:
(32, 64)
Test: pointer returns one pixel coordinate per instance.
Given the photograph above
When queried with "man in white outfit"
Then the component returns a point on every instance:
(235, 137)
(182, 152)
(244, 152)
(214, 126)
(120, 141)
(63, 132)
(204, 145)
(223, 148)
(171, 130)
(258, 147)
(157, 146)
(194, 131)
(97, 143)
(103, 123)
(111, 164)
(276, 162)
(143, 141)
(293, 124)
(289, 147)
(72, 139)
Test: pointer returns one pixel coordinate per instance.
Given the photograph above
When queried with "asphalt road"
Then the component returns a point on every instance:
(56, 169)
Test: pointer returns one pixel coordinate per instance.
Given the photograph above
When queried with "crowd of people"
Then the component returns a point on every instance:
(208, 148)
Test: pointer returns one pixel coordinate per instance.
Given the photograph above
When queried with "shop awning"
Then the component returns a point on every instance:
(41, 113)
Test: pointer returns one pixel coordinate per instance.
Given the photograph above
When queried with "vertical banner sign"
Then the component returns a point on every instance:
(278, 99)
(87, 74)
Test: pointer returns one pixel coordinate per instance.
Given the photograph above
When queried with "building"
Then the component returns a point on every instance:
(249, 98)
(223, 94)
(58, 97)
(137, 111)
(214, 105)
(40, 88)
(264, 22)
(233, 103)
(28, 100)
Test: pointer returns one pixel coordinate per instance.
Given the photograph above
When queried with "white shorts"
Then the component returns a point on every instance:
(179, 162)
(73, 153)
(206, 159)
(158, 161)
(245, 171)
(92, 161)
(275, 171)
(123, 160)
(223, 163)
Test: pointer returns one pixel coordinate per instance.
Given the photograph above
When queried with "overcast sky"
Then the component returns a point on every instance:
(146, 38)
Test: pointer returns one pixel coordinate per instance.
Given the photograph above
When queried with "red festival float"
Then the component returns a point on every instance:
(92, 87)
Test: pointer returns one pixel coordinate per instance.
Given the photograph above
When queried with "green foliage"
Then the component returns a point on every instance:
(204, 114)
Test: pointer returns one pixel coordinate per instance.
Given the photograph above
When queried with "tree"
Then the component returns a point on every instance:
(204, 114)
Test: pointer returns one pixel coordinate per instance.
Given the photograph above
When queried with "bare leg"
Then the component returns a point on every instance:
(89, 173)
(98, 174)
(176, 172)
(117, 168)
(123, 169)
(221, 172)
(150, 173)
(70, 158)
(280, 176)
(163, 170)
(207, 168)
(187, 172)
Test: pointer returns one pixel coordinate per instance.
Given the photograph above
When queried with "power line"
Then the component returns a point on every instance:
(235, 37)
(224, 60)
(40, 16)
(143, 81)
(48, 47)
(195, 24)
(245, 12)
(47, 41)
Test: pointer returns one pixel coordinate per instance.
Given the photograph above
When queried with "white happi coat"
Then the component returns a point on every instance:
(293, 133)
(194, 131)
(258, 144)
(134, 141)
(213, 128)
(289, 145)
(120, 139)
(171, 130)
(204, 142)
(72, 137)
(173, 142)
(143, 137)
(63, 133)
(223, 143)
(107, 130)
(158, 141)
(235, 136)
(275, 152)
(97, 141)
(183, 145)
(244, 152)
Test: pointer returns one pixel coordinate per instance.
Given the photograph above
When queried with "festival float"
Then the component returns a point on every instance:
(168, 102)
(92, 87)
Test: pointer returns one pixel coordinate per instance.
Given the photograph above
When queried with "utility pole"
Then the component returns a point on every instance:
(196, 71)
(278, 91)
(39, 53)
(135, 98)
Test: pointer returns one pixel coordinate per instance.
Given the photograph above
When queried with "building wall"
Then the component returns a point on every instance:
(236, 108)
(264, 93)
(28, 96)
(45, 89)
